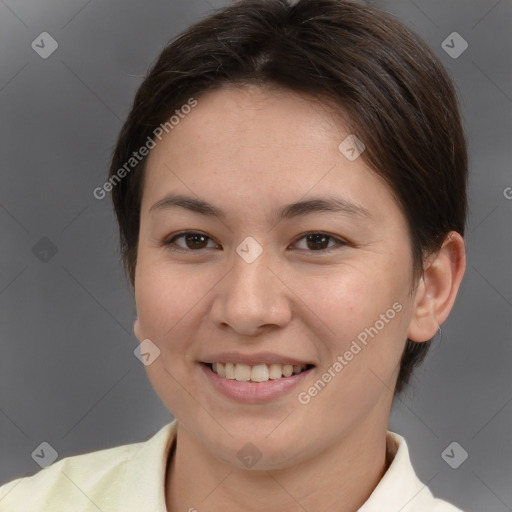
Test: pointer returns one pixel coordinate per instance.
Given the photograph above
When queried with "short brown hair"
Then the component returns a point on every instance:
(399, 99)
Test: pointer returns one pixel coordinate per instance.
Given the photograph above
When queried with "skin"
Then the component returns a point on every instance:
(249, 151)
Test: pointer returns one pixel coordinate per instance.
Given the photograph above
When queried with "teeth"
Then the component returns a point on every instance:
(230, 370)
(257, 373)
(287, 370)
(242, 372)
(220, 369)
(275, 371)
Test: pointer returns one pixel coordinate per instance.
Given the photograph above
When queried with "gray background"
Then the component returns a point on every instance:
(68, 375)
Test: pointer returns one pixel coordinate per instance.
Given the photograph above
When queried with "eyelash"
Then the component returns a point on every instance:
(168, 243)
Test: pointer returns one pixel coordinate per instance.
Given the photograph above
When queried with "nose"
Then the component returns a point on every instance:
(252, 298)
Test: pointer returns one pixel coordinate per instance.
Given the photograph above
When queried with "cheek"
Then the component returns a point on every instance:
(162, 293)
(165, 308)
(163, 299)
(349, 299)
(360, 315)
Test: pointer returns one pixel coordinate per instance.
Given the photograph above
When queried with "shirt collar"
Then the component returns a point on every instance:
(144, 483)
(399, 489)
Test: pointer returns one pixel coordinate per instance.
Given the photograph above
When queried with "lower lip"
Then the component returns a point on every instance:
(253, 392)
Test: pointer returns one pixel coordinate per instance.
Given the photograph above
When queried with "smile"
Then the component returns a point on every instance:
(256, 373)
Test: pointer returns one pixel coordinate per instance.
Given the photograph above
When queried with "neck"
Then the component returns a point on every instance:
(339, 478)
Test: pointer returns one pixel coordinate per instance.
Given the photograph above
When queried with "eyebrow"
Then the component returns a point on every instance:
(289, 211)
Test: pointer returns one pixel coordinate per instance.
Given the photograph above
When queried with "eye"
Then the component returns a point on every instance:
(195, 240)
(319, 242)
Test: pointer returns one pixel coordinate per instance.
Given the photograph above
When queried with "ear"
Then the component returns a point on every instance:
(438, 288)
(136, 329)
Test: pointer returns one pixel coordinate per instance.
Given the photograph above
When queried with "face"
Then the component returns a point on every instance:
(327, 288)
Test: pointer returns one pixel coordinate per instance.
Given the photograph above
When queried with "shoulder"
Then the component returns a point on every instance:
(65, 479)
(89, 481)
(400, 488)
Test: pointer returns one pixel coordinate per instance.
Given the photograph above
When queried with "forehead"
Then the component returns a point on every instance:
(231, 120)
(247, 143)
(248, 116)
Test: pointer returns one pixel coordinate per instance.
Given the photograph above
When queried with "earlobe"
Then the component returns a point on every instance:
(438, 288)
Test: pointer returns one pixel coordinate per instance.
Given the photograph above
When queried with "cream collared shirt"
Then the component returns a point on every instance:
(130, 478)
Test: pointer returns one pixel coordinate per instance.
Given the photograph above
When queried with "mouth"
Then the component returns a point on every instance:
(256, 373)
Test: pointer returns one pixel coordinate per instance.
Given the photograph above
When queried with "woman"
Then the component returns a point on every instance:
(290, 187)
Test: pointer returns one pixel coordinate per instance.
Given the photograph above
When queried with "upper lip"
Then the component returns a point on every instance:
(252, 359)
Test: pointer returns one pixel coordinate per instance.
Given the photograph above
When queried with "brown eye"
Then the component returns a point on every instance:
(319, 242)
(192, 240)
(196, 241)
